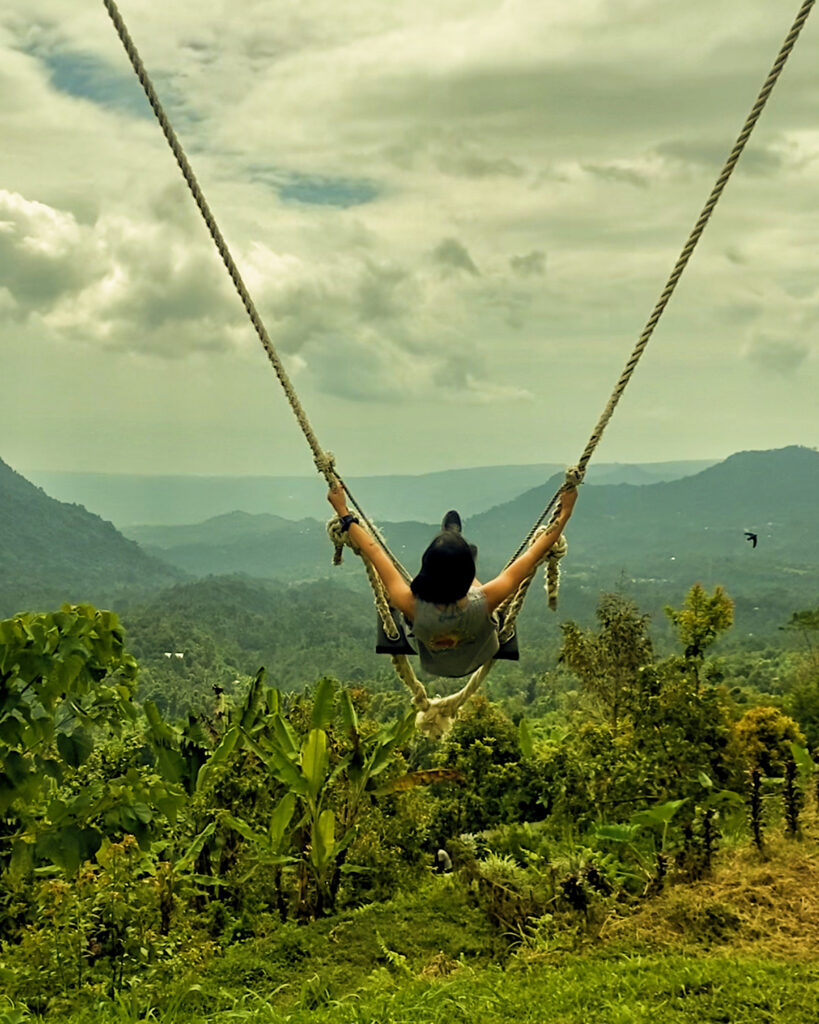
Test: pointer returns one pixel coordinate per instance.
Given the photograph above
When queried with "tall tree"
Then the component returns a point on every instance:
(611, 661)
(702, 618)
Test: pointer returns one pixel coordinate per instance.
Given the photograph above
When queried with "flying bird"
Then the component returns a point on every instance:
(751, 537)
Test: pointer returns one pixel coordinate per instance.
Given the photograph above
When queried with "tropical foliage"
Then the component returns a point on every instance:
(148, 856)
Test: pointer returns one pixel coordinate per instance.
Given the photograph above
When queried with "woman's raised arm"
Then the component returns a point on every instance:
(398, 591)
(507, 582)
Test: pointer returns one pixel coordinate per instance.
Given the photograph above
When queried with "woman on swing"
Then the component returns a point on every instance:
(452, 614)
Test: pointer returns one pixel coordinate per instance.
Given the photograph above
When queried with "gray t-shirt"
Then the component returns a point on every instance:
(454, 641)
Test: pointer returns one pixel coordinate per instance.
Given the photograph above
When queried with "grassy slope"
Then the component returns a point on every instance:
(622, 989)
(740, 948)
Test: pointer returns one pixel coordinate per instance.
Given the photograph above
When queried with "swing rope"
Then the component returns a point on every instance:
(575, 475)
(684, 257)
(436, 715)
(324, 461)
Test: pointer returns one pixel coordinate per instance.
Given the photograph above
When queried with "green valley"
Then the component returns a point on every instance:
(215, 804)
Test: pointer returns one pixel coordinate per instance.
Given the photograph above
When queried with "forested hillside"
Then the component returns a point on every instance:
(658, 539)
(633, 832)
(652, 540)
(51, 552)
(219, 631)
(697, 519)
(262, 545)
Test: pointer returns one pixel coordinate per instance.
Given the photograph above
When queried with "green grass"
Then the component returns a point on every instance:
(631, 990)
(430, 957)
(339, 954)
(623, 989)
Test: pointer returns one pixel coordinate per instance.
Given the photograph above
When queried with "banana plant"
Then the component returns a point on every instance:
(325, 780)
(326, 771)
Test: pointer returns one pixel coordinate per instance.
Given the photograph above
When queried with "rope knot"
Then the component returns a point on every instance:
(552, 570)
(325, 463)
(435, 720)
(574, 476)
(339, 538)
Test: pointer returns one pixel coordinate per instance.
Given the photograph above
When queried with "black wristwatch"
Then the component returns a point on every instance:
(345, 522)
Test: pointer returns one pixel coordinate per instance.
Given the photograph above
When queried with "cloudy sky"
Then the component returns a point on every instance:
(454, 216)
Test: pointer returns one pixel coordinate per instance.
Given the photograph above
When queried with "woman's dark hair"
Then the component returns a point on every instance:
(447, 570)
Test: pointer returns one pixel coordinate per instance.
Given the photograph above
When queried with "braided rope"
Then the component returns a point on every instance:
(684, 257)
(341, 537)
(406, 673)
(552, 581)
(436, 716)
(324, 461)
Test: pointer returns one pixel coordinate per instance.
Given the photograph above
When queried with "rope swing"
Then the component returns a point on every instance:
(435, 716)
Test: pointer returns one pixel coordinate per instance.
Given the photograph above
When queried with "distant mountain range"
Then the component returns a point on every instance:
(128, 500)
(652, 539)
(775, 494)
(261, 546)
(659, 539)
(655, 539)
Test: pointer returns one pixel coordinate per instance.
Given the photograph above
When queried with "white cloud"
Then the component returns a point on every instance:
(391, 178)
(364, 328)
(44, 252)
(128, 285)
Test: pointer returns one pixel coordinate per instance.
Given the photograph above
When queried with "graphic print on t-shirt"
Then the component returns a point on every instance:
(445, 642)
(448, 637)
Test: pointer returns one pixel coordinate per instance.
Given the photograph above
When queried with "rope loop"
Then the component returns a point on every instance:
(325, 463)
(552, 570)
(339, 538)
(436, 719)
(436, 716)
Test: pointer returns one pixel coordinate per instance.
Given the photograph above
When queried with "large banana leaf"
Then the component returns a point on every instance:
(324, 702)
(387, 740)
(280, 819)
(323, 840)
(349, 718)
(241, 826)
(219, 755)
(315, 761)
(285, 736)
(280, 767)
(255, 695)
(193, 851)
